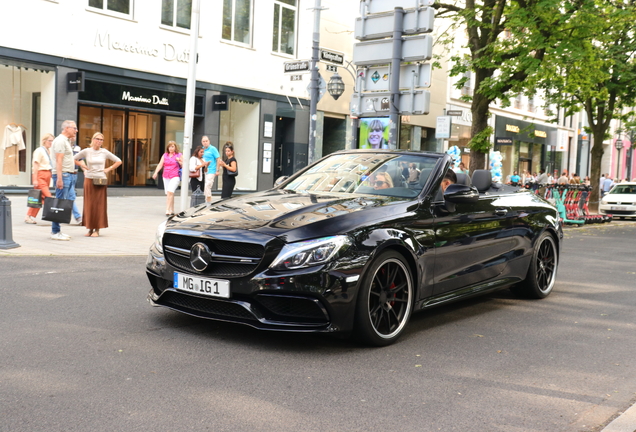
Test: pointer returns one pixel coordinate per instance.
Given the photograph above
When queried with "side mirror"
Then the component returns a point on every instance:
(461, 194)
(280, 180)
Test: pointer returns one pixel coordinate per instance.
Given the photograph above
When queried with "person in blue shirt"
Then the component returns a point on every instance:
(515, 179)
(210, 157)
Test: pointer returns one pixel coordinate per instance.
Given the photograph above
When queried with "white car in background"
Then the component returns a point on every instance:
(620, 201)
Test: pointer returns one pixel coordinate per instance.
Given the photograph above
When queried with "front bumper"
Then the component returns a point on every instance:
(320, 299)
(622, 210)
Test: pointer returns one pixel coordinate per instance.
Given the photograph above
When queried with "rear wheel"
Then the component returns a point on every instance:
(385, 300)
(542, 271)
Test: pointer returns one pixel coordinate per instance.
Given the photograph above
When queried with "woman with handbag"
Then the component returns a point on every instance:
(230, 170)
(171, 162)
(196, 170)
(92, 160)
(41, 174)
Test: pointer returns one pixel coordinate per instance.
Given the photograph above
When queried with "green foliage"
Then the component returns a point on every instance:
(481, 142)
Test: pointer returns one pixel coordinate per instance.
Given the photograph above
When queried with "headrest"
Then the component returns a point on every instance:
(463, 179)
(424, 175)
(396, 176)
(482, 180)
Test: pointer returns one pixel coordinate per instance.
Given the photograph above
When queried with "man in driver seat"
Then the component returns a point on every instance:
(449, 178)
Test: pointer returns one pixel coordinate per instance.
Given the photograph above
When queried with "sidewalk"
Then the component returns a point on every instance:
(132, 221)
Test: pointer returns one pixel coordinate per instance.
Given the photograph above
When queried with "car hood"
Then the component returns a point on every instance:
(290, 215)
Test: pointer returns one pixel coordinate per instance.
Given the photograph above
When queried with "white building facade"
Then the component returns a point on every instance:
(120, 66)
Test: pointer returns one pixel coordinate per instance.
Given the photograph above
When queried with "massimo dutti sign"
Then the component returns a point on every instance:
(166, 51)
(131, 96)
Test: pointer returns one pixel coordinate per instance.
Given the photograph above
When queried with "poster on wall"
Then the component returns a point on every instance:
(374, 133)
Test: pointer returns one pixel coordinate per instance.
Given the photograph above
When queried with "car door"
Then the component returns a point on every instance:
(471, 243)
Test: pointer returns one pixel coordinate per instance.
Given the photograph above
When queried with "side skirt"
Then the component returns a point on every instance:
(465, 293)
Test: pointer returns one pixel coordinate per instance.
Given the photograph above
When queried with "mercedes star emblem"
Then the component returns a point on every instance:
(200, 256)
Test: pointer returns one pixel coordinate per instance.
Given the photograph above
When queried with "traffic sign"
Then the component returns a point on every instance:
(370, 104)
(297, 66)
(379, 6)
(378, 52)
(377, 78)
(455, 113)
(381, 25)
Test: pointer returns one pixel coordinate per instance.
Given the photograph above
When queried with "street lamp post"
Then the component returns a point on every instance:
(336, 88)
(619, 145)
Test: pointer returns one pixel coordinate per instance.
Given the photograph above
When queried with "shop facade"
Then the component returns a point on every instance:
(139, 113)
(526, 146)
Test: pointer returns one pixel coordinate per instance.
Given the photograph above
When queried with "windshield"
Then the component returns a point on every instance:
(624, 189)
(367, 173)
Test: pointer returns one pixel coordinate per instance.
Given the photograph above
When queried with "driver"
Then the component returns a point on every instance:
(449, 178)
(382, 181)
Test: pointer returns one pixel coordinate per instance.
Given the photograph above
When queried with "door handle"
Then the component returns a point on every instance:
(501, 212)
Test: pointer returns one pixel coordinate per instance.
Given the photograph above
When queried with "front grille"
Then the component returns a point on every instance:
(207, 307)
(621, 212)
(238, 259)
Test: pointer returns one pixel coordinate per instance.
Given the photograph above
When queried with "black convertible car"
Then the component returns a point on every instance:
(355, 243)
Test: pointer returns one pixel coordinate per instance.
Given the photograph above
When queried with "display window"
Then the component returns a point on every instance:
(27, 105)
(240, 125)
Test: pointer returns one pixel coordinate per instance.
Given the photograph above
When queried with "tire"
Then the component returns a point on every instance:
(542, 272)
(385, 300)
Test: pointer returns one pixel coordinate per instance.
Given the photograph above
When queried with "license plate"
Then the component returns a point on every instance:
(202, 286)
(618, 208)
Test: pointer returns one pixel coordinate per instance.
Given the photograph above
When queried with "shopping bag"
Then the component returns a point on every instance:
(34, 198)
(57, 210)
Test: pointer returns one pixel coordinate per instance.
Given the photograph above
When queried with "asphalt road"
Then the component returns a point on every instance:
(82, 350)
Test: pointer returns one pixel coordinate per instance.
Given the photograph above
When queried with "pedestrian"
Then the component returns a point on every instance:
(210, 157)
(607, 185)
(197, 165)
(515, 179)
(171, 162)
(586, 181)
(542, 179)
(63, 170)
(41, 177)
(93, 161)
(461, 169)
(76, 213)
(575, 179)
(414, 173)
(563, 180)
(230, 170)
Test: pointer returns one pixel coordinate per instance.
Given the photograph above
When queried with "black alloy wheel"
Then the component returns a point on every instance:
(542, 272)
(385, 300)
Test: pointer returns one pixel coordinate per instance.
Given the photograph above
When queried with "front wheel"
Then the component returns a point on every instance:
(542, 271)
(385, 300)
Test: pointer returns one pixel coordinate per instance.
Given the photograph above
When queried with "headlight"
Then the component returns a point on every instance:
(310, 253)
(159, 235)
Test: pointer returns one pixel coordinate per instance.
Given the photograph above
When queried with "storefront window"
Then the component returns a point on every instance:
(240, 125)
(22, 122)
(509, 161)
(537, 153)
(133, 136)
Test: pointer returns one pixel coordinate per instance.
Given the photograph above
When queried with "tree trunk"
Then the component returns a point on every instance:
(598, 133)
(480, 112)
